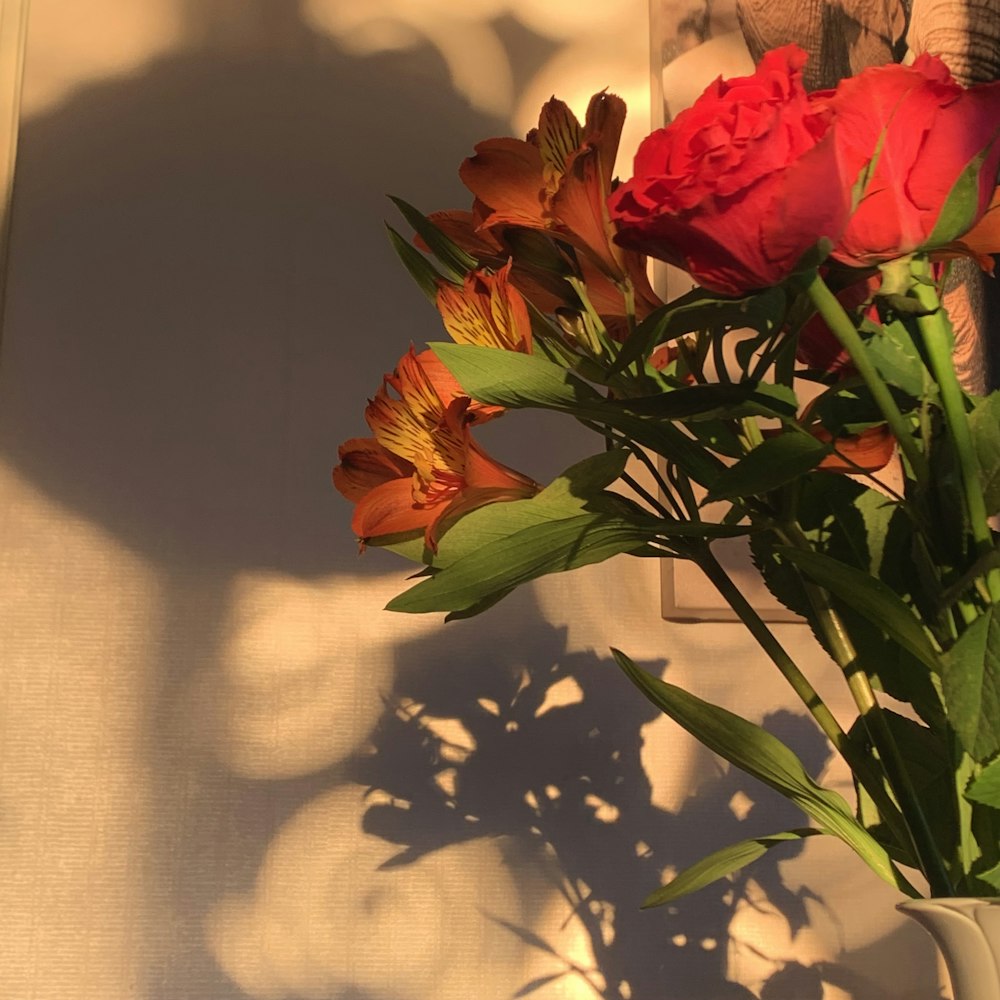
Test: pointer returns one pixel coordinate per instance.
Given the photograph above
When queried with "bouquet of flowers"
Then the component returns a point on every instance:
(805, 389)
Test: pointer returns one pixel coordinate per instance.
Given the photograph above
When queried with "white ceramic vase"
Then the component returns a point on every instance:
(968, 933)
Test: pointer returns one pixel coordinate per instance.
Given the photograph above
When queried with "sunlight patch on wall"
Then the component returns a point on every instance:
(476, 59)
(324, 917)
(565, 691)
(301, 675)
(617, 61)
(78, 634)
(70, 44)
(598, 46)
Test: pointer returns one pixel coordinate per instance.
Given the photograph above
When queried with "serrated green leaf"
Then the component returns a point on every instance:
(991, 877)
(721, 863)
(868, 596)
(984, 424)
(986, 787)
(763, 756)
(971, 683)
(926, 760)
(771, 464)
(421, 270)
(896, 358)
(455, 261)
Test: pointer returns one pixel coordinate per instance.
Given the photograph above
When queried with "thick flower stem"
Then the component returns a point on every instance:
(852, 754)
(870, 711)
(711, 567)
(843, 328)
(935, 329)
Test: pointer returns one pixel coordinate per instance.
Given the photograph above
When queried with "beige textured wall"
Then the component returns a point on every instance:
(196, 682)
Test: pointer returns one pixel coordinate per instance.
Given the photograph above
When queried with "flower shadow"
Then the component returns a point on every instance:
(542, 747)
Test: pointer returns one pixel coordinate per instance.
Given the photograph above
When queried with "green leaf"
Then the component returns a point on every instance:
(583, 480)
(896, 358)
(676, 447)
(986, 787)
(514, 380)
(771, 464)
(870, 597)
(456, 262)
(959, 210)
(552, 546)
(565, 496)
(569, 494)
(971, 683)
(984, 424)
(926, 759)
(737, 399)
(721, 863)
(701, 310)
(847, 407)
(421, 270)
(991, 877)
(765, 757)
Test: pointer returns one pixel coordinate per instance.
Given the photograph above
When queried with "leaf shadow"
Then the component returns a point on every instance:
(541, 747)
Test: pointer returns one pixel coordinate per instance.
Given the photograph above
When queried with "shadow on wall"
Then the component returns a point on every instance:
(542, 748)
(200, 285)
(201, 297)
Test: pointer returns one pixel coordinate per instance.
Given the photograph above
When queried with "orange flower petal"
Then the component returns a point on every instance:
(487, 310)
(389, 510)
(448, 390)
(463, 229)
(557, 137)
(580, 208)
(506, 175)
(365, 464)
(603, 130)
(868, 451)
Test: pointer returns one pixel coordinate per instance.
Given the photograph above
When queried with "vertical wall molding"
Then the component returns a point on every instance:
(13, 36)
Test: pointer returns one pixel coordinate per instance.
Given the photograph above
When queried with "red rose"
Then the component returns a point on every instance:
(931, 129)
(740, 185)
(818, 347)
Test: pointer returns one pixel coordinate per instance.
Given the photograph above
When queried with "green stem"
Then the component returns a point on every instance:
(859, 763)
(918, 831)
(711, 567)
(935, 328)
(843, 328)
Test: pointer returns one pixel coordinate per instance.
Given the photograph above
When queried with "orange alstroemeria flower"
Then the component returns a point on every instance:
(545, 289)
(868, 451)
(422, 466)
(486, 310)
(558, 179)
(439, 386)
